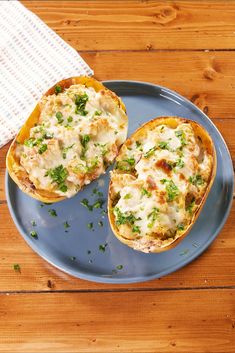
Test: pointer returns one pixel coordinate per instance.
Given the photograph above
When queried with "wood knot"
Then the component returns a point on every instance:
(149, 47)
(50, 284)
(165, 14)
(209, 73)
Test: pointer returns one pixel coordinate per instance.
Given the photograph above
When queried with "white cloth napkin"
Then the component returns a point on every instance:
(32, 59)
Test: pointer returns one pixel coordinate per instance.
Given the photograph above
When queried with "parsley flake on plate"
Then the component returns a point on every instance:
(52, 212)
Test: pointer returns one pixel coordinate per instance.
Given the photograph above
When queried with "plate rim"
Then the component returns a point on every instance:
(134, 279)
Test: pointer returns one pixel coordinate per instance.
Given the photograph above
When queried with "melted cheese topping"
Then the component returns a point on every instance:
(77, 136)
(169, 172)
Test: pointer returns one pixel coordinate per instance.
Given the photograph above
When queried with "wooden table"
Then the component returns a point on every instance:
(188, 46)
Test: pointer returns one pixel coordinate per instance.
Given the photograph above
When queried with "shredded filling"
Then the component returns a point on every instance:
(158, 183)
(77, 136)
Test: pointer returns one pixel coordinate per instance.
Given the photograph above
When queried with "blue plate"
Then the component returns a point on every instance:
(93, 252)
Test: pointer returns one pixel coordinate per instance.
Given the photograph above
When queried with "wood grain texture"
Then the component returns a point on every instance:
(207, 79)
(202, 321)
(140, 25)
(187, 46)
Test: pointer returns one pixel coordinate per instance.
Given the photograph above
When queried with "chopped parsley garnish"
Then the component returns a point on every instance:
(145, 192)
(66, 225)
(139, 145)
(65, 150)
(119, 267)
(179, 163)
(150, 152)
(85, 203)
(58, 176)
(152, 216)
(136, 229)
(115, 132)
(180, 226)
(181, 135)
(58, 89)
(33, 234)
(127, 196)
(103, 147)
(84, 142)
(163, 145)
(96, 192)
(80, 101)
(17, 268)
(171, 189)
(123, 218)
(163, 181)
(33, 223)
(100, 223)
(190, 207)
(59, 117)
(123, 166)
(73, 258)
(162, 128)
(98, 204)
(31, 142)
(90, 225)
(52, 212)
(92, 165)
(196, 180)
(47, 135)
(70, 119)
(130, 161)
(43, 148)
(102, 247)
(63, 188)
(98, 112)
(88, 252)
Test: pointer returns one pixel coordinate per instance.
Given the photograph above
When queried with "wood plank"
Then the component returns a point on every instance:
(140, 25)
(214, 268)
(195, 321)
(205, 78)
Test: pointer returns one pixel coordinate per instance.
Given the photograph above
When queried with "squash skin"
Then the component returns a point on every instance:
(171, 121)
(15, 170)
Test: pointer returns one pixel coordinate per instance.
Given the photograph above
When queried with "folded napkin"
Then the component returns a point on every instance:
(32, 59)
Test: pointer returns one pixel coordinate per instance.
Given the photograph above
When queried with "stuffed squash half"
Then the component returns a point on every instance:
(71, 137)
(162, 177)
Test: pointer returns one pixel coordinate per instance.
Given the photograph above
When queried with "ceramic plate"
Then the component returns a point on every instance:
(85, 246)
